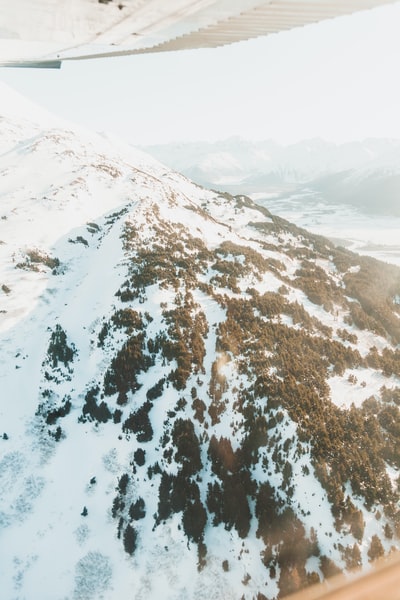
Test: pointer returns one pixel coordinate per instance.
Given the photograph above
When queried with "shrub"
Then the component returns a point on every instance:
(58, 350)
(125, 366)
(130, 538)
(328, 567)
(139, 422)
(187, 446)
(376, 549)
(58, 413)
(137, 511)
(123, 483)
(140, 457)
(194, 521)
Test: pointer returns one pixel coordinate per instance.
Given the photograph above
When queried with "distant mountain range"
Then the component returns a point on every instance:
(371, 189)
(365, 174)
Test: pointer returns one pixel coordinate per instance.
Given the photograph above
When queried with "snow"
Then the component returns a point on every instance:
(16, 106)
(366, 383)
(366, 234)
(50, 548)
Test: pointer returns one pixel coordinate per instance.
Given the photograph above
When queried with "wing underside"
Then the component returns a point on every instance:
(43, 33)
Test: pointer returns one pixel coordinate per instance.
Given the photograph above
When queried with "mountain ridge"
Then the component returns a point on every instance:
(177, 386)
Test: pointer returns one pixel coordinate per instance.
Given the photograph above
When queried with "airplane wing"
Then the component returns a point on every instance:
(43, 33)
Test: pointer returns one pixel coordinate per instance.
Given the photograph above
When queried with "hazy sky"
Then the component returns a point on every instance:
(338, 80)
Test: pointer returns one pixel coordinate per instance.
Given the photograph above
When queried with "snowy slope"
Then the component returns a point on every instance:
(155, 442)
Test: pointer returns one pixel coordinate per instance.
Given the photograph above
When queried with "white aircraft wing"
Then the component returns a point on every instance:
(46, 32)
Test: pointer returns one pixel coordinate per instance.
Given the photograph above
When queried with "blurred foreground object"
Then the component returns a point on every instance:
(382, 582)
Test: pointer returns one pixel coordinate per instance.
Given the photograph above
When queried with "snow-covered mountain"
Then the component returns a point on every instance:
(198, 399)
(373, 188)
(238, 165)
